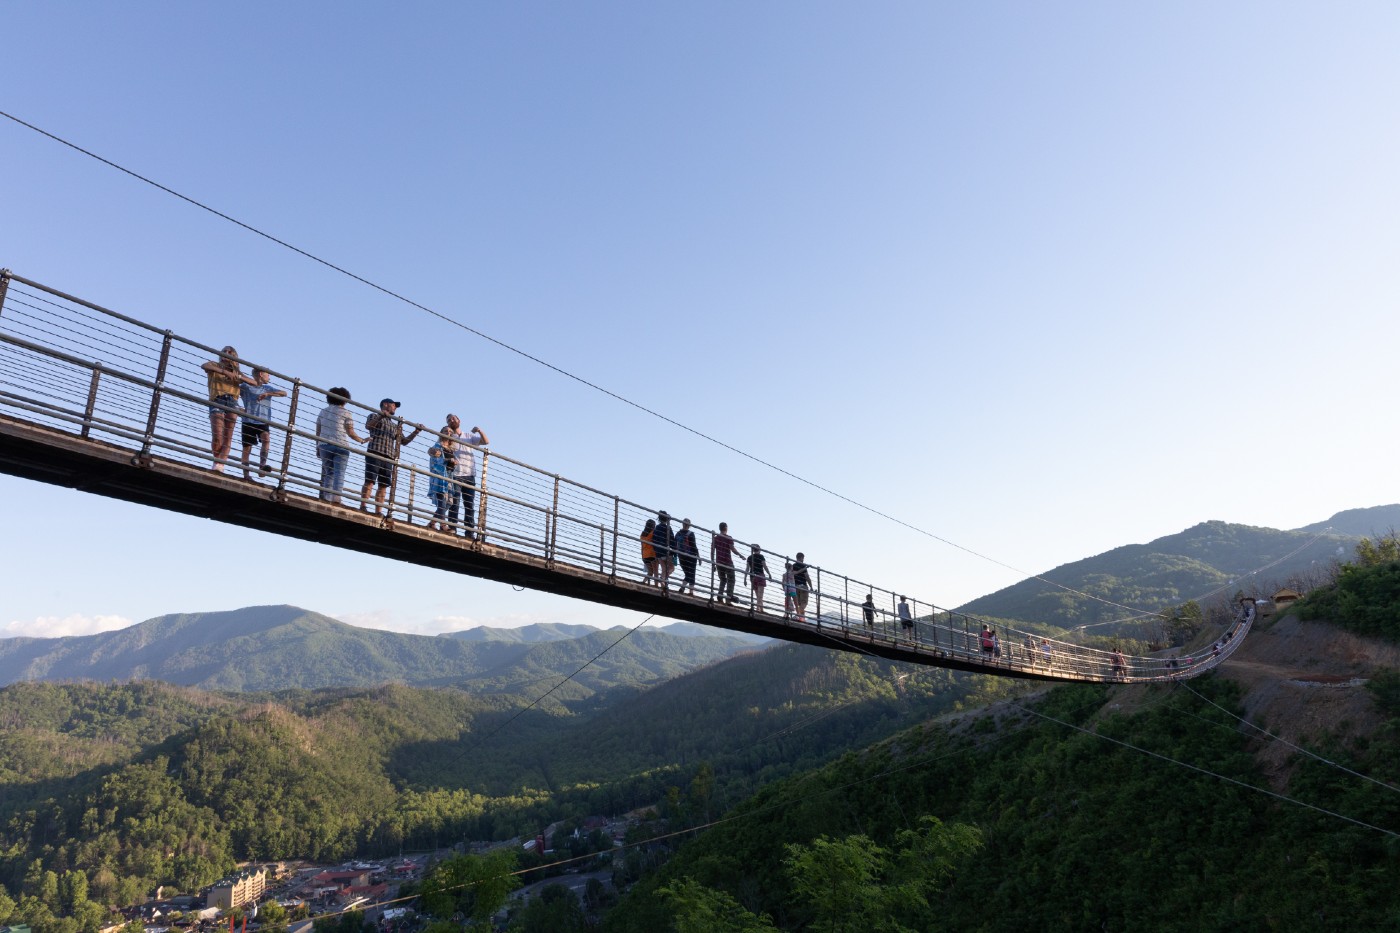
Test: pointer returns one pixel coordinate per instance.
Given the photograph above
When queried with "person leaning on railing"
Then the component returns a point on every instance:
(335, 428)
(385, 441)
(225, 379)
(257, 398)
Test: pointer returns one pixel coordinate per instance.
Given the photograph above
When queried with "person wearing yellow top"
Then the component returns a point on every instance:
(225, 378)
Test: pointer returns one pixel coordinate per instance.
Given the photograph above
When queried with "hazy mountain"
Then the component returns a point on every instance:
(281, 647)
(1363, 523)
(539, 631)
(559, 631)
(1171, 570)
(696, 630)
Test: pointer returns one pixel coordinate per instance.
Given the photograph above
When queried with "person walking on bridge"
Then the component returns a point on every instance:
(722, 556)
(385, 441)
(906, 618)
(663, 540)
(802, 580)
(757, 569)
(649, 553)
(688, 552)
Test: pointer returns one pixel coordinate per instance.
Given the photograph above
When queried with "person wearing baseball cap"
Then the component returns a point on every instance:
(386, 438)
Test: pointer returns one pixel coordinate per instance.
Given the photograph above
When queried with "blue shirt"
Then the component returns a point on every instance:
(257, 410)
(437, 466)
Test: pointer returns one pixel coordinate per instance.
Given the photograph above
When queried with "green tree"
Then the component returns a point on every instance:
(555, 910)
(839, 880)
(272, 917)
(476, 885)
(73, 890)
(698, 909)
(48, 890)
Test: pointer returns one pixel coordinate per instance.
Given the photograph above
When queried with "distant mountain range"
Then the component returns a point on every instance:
(269, 648)
(1212, 556)
(1362, 523)
(558, 631)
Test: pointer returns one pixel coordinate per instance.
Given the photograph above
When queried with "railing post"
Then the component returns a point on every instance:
(408, 506)
(602, 547)
(481, 494)
(91, 401)
(553, 543)
(819, 597)
(612, 578)
(287, 444)
(155, 395)
(4, 287)
(712, 571)
(393, 483)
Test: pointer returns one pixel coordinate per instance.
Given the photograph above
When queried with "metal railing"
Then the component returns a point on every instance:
(106, 378)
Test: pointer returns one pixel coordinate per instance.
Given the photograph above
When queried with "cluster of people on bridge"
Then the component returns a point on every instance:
(665, 548)
(452, 487)
(451, 458)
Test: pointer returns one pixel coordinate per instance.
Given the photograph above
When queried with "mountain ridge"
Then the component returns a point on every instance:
(1208, 557)
(262, 648)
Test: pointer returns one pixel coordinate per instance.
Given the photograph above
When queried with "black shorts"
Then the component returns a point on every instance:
(254, 433)
(378, 471)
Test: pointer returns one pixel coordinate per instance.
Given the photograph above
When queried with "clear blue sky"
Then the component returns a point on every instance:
(1041, 279)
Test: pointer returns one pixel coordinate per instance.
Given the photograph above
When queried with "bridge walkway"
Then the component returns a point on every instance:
(97, 401)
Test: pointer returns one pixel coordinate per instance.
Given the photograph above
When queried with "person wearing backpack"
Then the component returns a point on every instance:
(689, 553)
(757, 569)
(663, 540)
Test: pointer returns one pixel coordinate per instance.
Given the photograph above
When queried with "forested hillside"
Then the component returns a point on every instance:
(1168, 572)
(1105, 808)
(140, 784)
(283, 647)
(833, 785)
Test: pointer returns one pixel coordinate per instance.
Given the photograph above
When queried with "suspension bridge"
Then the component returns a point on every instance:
(97, 401)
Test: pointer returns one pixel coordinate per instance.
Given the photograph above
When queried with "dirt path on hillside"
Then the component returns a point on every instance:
(1306, 682)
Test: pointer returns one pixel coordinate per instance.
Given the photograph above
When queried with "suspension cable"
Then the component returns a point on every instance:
(560, 370)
